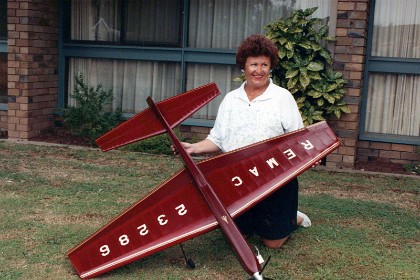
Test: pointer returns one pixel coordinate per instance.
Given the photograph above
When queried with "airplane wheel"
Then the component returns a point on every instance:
(191, 264)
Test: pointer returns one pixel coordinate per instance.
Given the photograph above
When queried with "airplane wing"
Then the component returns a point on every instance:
(176, 211)
(145, 124)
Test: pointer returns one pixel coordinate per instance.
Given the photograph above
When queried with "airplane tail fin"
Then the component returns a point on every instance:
(145, 124)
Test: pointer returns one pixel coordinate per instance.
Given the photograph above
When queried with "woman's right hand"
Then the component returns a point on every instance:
(204, 146)
(187, 146)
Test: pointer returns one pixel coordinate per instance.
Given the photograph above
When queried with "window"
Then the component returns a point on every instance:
(3, 78)
(222, 24)
(3, 19)
(392, 101)
(131, 81)
(393, 104)
(3, 52)
(153, 22)
(163, 47)
(95, 20)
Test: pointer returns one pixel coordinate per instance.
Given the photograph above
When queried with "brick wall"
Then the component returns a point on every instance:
(3, 122)
(349, 57)
(387, 152)
(194, 133)
(32, 66)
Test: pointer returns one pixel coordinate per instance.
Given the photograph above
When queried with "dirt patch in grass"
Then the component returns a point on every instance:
(61, 135)
(406, 201)
(383, 167)
(89, 219)
(403, 199)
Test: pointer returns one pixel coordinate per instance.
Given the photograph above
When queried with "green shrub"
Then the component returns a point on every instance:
(305, 66)
(92, 116)
(413, 167)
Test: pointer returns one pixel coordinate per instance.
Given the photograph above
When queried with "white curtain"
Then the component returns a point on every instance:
(393, 105)
(201, 74)
(397, 29)
(394, 99)
(213, 24)
(156, 21)
(95, 20)
(224, 24)
(131, 81)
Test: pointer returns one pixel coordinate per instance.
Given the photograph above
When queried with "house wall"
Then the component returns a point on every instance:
(349, 56)
(32, 66)
(350, 51)
(33, 81)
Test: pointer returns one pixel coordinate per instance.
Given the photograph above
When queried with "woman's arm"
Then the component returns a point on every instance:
(204, 146)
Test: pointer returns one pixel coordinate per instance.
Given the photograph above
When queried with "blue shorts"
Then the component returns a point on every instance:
(274, 217)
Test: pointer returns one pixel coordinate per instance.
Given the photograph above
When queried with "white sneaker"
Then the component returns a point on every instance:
(306, 221)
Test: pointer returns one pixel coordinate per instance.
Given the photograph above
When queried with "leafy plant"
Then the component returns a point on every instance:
(413, 167)
(305, 66)
(92, 116)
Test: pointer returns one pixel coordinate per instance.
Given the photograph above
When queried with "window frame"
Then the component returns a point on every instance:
(131, 51)
(3, 46)
(3, 5)
(390, 65)
(3, 50)
(109, 50)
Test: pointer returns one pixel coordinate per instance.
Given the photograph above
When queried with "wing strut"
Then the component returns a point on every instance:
(239, 245)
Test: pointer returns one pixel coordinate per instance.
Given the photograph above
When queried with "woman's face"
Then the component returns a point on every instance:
(257, 71)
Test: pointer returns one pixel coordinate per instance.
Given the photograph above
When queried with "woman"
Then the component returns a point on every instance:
(256, 111)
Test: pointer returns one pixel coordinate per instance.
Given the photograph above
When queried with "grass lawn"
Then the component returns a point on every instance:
(52, 198)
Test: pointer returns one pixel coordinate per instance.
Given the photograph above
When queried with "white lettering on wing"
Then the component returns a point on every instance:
(124, 239)
(271, 162)
(238, 181)
(307, 145)
(254, 171)
(289, 154)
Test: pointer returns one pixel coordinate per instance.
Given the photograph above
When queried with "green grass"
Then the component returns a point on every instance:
(51, 198)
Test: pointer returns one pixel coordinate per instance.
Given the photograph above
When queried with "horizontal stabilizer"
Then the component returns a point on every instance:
(145, 124)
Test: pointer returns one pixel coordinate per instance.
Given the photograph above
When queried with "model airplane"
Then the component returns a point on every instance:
(202, 196)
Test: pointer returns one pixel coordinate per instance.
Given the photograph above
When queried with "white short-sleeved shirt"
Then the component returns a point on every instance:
(241, 122)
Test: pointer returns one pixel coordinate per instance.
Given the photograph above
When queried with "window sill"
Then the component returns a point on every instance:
(390, 138)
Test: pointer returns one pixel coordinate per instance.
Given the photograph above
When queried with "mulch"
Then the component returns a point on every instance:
(383, 167)
(61, 135)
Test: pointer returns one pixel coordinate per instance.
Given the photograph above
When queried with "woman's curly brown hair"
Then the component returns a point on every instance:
(257, 45)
